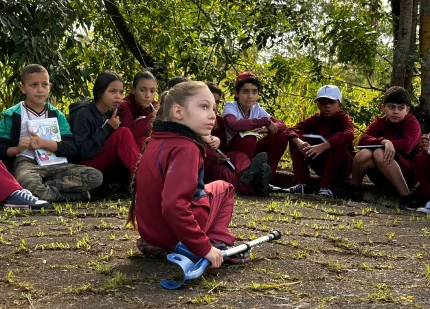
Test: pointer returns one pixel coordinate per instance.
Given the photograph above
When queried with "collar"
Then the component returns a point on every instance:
(174, 127)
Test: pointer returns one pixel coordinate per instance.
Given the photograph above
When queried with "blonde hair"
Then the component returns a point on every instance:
(179, 94)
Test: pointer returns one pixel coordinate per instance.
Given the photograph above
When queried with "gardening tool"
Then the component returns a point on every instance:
(194, 267)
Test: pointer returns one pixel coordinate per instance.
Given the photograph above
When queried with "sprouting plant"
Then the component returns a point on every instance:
(22, 246)
(84, 243)
(112, 237)
(427, 271)
(358, 224)
(273, 207)
(40, 234)
(391, 236)
(300, 254)
(246, 211)
(366, 267)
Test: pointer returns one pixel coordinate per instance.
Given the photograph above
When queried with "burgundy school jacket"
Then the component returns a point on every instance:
(405, 136)
(171, 204)
(129, 111)
(338, 130)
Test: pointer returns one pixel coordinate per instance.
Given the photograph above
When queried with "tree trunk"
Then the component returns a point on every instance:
(424, 108)
(402, 59)
(413, 53)
(129, 39)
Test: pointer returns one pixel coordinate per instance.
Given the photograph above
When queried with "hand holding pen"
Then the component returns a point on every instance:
(113, 121)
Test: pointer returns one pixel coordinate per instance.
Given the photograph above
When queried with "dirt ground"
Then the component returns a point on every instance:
(332, 254)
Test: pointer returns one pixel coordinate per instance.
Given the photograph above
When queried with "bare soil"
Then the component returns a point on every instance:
(332, 254)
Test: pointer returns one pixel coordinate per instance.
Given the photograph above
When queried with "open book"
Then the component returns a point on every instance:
(317, 139)
(47, 129)
(246, 133)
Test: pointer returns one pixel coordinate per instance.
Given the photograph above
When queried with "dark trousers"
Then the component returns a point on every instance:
(8, 183)
(215, 171)
(422, 163)
(119, 146)
(332, 165)
(273, 144)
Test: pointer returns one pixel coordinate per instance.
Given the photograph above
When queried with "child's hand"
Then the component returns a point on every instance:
(220, 158)
(23, 144)
(114, 120)
(273, 129)
(215, 257)
(36, 142)
(314, 151)
(389, 151)
(214, 142)
(260, 130)
(424, 142)
(301, 145)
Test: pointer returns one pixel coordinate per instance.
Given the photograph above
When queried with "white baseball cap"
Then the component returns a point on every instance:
(329, 91)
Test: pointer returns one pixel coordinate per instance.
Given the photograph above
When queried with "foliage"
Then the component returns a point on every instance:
(294, 46)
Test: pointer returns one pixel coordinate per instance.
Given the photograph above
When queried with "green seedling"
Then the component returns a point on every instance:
(204, 300)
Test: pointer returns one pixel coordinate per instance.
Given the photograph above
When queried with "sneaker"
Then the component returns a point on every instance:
(254, 168)
(262, 181)
(355, 193)
(24, 199)
(238, 258)
(75, 197)
(325, 192)
(425, 209)
(406, 203)
(301, 188)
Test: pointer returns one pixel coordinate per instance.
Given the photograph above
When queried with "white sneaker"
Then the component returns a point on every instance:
(425, 209)
(325, 192)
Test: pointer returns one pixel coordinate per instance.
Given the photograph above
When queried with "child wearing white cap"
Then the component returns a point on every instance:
(331, 156)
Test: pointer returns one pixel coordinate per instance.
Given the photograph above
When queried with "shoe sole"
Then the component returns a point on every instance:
(25, 207)
(254, 168)
(423, 210)
(266, 176)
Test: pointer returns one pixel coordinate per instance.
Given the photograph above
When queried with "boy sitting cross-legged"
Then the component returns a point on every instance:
(330, 159)
(58, 182)
(398, 134)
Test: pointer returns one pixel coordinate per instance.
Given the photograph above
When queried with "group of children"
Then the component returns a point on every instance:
(187, 161)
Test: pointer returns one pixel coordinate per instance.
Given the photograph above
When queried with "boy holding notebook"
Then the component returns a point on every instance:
(323, 143)
(397, 135)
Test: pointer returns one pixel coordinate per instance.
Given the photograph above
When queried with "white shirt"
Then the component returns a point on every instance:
(232, 108)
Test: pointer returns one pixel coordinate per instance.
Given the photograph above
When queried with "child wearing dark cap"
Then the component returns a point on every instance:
(246, 116)
(397, 135)
(331, 159)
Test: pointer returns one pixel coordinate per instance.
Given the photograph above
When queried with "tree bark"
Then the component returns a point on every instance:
(129, 39)
(402, 59)
(424, 108)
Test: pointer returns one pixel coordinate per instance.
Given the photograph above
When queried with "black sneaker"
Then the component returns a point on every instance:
(301, 188)
(407, 203)
(24, 199)
(254, 168)
(355, 193)
(261, 183)
(75, 197)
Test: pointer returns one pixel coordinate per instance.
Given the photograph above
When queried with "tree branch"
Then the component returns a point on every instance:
(129, 39)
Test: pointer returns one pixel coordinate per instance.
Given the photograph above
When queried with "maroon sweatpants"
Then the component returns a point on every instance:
(120, 145)
(422, 163)
(332, 165)
(8, 183)
(214, 171)
(273, 144)
(221, 201)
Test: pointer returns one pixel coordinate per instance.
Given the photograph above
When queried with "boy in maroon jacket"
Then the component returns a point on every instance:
(398, 134)
(329, 159)
(422, 162)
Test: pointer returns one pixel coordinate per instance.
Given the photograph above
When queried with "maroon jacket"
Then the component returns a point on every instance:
(405, 136)
(171, 204)
(338, 130)
(129, 111)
